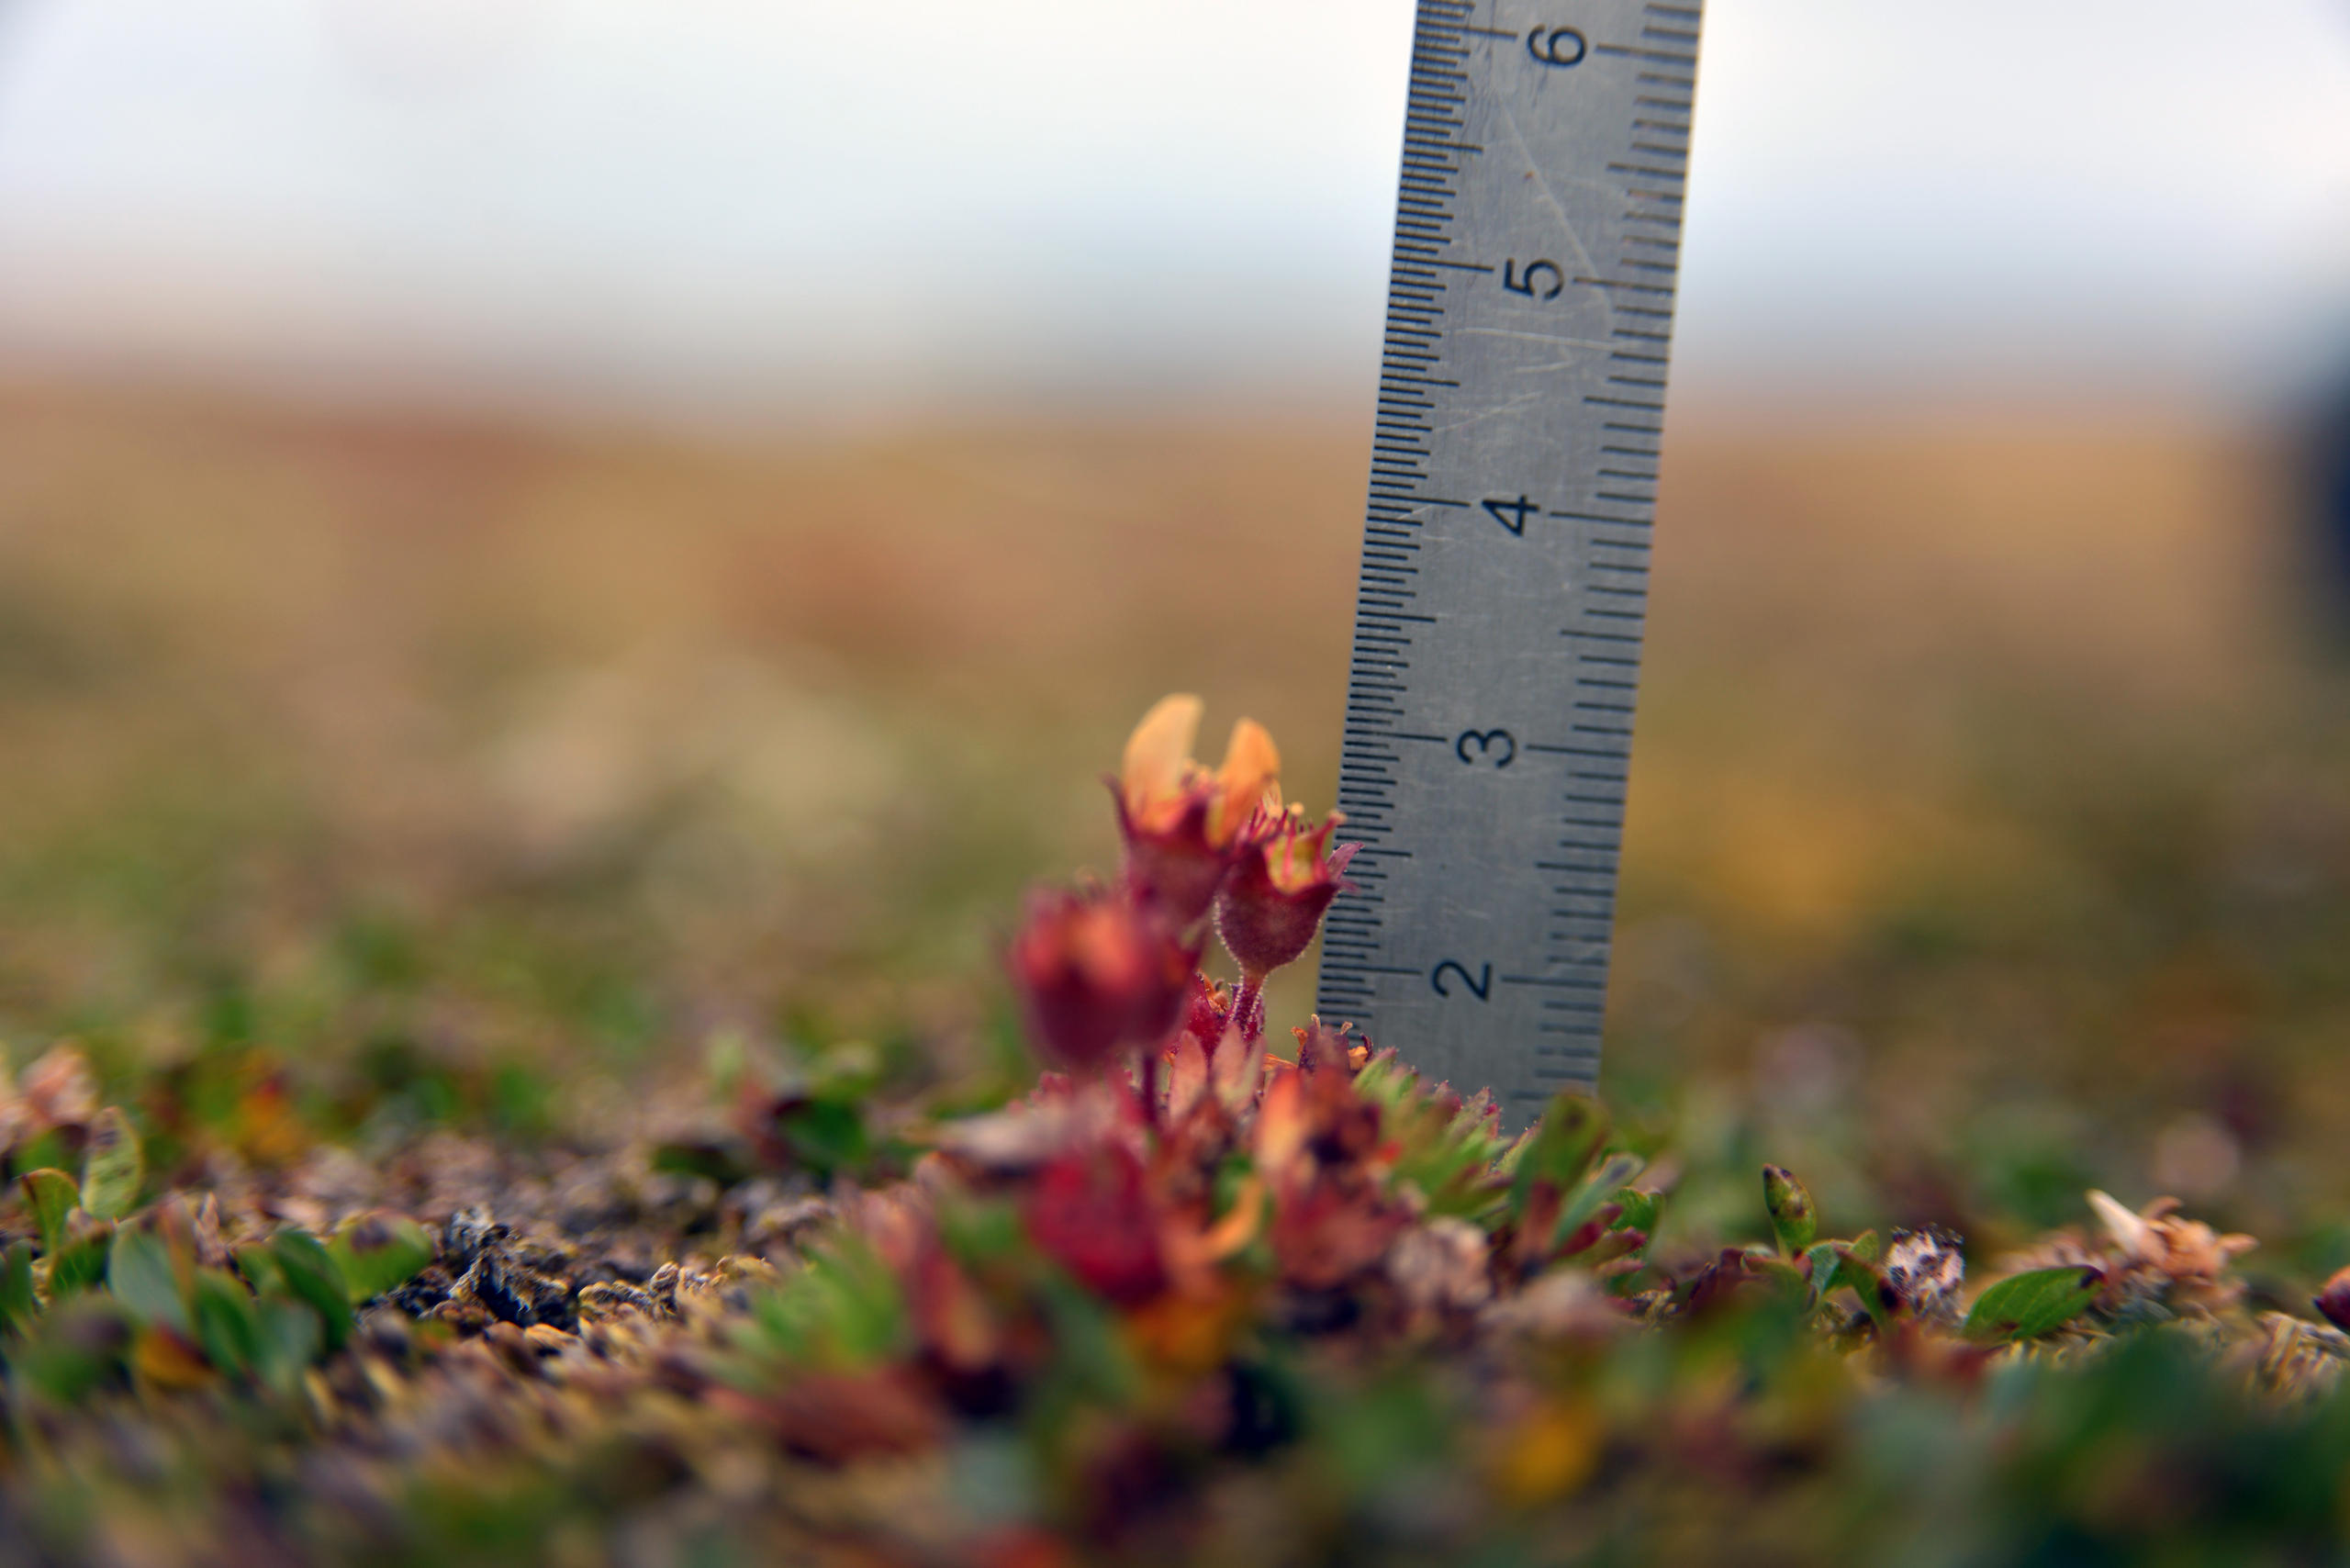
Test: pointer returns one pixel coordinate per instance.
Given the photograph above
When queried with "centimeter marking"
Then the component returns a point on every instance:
(1505, 547)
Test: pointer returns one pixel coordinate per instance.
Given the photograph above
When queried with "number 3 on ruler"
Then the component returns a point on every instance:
(1480, 985)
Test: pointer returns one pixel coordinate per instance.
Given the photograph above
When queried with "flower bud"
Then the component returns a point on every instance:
(2334, 1301)
(1274, 901)
(1793, 1219)
(1207, 1011)
(1098, 975)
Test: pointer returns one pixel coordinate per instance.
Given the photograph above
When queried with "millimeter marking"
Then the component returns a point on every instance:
(1505, 548)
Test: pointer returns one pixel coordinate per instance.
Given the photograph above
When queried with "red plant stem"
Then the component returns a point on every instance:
(1248, 1009)
(1150, 1086)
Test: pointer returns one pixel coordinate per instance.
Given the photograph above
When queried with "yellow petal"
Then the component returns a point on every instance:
(2128, 1230)
(1281, 1127)
(1252, 764)
(1160, 750)
(1547, 1453)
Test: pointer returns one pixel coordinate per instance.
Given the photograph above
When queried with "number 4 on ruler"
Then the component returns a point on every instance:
(1512, 515)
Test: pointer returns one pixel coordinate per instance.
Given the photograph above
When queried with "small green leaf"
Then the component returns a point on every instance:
(79, 1345)
(42, 1151)
(82, 1253)
(1601, 1187)
(53, 1195)
(1821, 1261)
(1868, 1246)
(115, 1167)
(1793, 1220)
(847, 1310)
(1573, 1128)
(258, 1264)
(1784, 1276)
(140, 1272)
(2026, 1306)
(19, 1303)
(707, 1157)
(312, 1278)
(226, 1324)
(288, 1339)
(378, 1253)
(1866, 1279)
(1641, 1211)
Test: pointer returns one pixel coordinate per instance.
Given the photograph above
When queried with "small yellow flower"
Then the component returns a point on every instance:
(1183, 825)
(1161, 784)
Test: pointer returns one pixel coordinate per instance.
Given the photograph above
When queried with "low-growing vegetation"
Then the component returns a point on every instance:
(1203, 1292)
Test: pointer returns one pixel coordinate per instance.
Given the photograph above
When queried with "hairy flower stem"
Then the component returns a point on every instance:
(1248, 1009)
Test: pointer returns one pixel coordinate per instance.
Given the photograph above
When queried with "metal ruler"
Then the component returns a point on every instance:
(1505, 554)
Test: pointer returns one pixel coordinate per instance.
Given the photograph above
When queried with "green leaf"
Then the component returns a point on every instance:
(53, 1195)
(288, 1340)
(42, 1151)
(1448, 1149)
(1641, 1211)
(2026, 1306)
(983, 1230)
(844, 1310)
(82, 1253)
(1572, 1131)
(312, 1278)
(378, 1253)
(19, 1303)
(1793, 1219)
(258, 1264)
(80, 1345)
(1821, 1257)
(826, 1134)
(225, 1323)
(143, 1277)
(1861, 1274)
(114, 1169)
(1784, 1276)
(718, 1161)
(1601, 1187)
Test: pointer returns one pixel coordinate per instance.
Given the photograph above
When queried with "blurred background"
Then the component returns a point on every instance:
(539, 539)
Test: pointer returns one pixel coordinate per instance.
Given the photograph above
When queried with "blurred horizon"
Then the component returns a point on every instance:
(741, 214)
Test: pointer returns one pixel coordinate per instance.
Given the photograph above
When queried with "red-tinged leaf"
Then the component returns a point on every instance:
(1238, 1069)
(1089, 1210)
(1325, 1235)
(836, 1419)
(951, 1314)
(1716, 1283)
(1588, 1233)
(1573, 1128)
(1782, 1275)
(1187, 1079)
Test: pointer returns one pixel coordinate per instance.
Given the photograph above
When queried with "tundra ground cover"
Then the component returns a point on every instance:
(1182, 1301)
(404, 820)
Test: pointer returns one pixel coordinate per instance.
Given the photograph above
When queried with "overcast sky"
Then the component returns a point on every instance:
(757, 204)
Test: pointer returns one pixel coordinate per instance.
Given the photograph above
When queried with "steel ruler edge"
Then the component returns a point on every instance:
(1506, 543)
